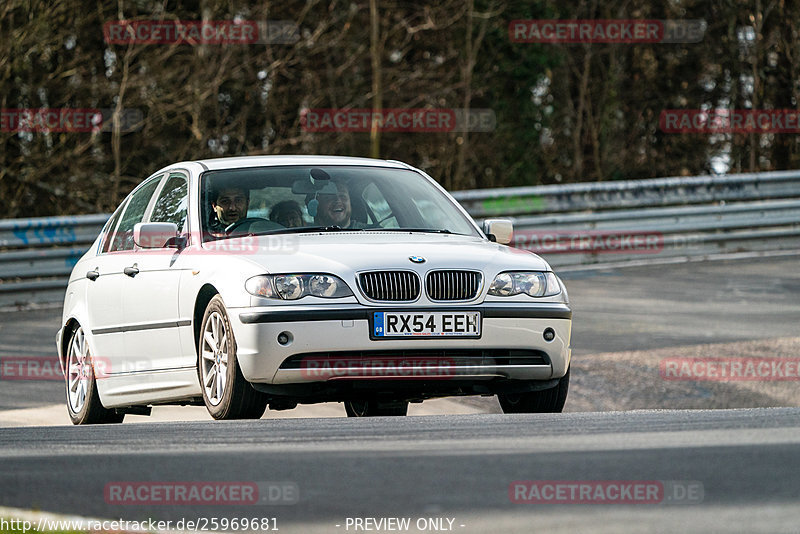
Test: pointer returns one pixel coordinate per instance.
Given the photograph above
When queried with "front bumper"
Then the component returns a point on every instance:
(511, 346)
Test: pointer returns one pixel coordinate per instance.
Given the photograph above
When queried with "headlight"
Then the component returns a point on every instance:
(533, 284)
(297, 286)
(323, 285)
(289, 287)
(503, 285)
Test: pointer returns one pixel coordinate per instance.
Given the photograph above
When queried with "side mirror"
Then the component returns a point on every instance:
(499, 230)
(154, 234)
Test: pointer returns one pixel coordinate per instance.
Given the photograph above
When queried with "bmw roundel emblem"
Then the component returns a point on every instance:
(417, 259)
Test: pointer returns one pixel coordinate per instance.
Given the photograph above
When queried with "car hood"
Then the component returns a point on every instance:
(344, 252)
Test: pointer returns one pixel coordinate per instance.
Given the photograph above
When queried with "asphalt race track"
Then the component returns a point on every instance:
(457, 467)
(714, 470)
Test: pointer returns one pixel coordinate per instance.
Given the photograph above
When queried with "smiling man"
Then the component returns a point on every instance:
(335, 210)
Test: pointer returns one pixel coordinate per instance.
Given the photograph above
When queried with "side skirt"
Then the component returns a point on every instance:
(156, 387)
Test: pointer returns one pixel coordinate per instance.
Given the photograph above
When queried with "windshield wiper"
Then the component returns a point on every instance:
(426, 230)
(303, 229)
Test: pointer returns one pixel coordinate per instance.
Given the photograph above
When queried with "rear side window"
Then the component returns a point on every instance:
(172, 203)
(134, 212)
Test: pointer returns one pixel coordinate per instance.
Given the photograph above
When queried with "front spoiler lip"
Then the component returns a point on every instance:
(356, 313)
(475, 373)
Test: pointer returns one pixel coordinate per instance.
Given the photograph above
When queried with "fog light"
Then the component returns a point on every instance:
(549, 334)
(285, 338)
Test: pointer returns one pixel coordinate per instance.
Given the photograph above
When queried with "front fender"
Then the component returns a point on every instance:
(74, 311)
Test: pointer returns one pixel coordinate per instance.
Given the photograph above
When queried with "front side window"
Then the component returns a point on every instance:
(134, 213)
(284, 199)
(171, 205)
(108, 229)
(378, 209)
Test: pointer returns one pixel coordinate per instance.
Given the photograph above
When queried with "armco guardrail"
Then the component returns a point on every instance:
(37, 255)
(569, 224)
(697, 216)
(652, 192)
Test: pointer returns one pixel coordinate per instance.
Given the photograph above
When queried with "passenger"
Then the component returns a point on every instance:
(335, 209)
(288, 213)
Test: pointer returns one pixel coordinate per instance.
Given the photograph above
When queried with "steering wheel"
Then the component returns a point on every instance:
(241, 222)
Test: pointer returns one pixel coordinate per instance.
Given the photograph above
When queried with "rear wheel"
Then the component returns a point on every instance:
(545, 401)
(83, 401)
(226, 393)
(373, 408)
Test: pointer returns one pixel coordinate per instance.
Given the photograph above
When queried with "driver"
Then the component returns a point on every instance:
(230, 205)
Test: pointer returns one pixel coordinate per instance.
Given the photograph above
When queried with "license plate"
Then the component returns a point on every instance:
(426, 324)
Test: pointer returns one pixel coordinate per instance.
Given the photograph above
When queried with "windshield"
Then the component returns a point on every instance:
(266, 200)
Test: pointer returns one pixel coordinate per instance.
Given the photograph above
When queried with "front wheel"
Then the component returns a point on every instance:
(373, 408)
(83, 401)
(226, 393)
(545, 401)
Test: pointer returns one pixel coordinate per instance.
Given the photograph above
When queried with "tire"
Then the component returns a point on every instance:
(545, 401)
(83, 401)
(226, 393)
(373, 408)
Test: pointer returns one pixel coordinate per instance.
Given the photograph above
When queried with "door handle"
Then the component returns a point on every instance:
(93, 275)
(131, 271)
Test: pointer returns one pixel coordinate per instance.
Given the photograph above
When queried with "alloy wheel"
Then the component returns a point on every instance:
(214, 353)
(79, 362)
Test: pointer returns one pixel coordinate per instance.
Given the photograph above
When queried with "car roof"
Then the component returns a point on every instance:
(265, 161)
